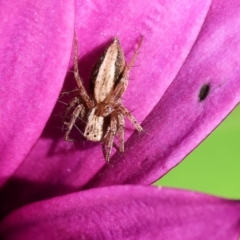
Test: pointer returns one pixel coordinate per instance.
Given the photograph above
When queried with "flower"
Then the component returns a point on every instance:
(185, 84)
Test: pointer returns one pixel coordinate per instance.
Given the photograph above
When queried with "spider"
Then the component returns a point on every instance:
(104, 112)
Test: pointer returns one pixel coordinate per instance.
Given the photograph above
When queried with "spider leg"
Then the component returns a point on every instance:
(133, 120)
(133, 59)
(82, 91)
(120, 131)
(71, 123)
(71, 104)
(68, 92)
(108, 143)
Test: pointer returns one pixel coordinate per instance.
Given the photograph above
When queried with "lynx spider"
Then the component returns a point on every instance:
(104, 112)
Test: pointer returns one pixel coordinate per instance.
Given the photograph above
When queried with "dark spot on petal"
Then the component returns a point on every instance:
(204, 91)
(87, 133)
(95, 135)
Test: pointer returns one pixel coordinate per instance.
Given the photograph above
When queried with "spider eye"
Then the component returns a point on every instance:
(87, 133)
(95, 135)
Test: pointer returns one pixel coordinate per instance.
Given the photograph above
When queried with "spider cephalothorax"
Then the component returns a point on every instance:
(104, 112)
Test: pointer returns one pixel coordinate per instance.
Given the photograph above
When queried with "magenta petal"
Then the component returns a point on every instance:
(169, 30)
(185, 116)
(126, 212)
(35, 46)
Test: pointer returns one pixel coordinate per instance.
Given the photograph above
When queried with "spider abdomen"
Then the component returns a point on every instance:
(107, 71)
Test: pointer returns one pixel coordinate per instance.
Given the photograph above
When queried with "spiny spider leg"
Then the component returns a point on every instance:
(82, 91)
(68, 92)
(71, 123)
(71, 104)
(133, 59)
(120, 131)
(110, 139)
(127, 113)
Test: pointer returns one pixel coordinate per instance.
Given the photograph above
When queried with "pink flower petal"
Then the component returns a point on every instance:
(126, 212)
(36, 40)
(169, 30)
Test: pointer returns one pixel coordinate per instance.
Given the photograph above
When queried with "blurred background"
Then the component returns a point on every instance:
(214, 166)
